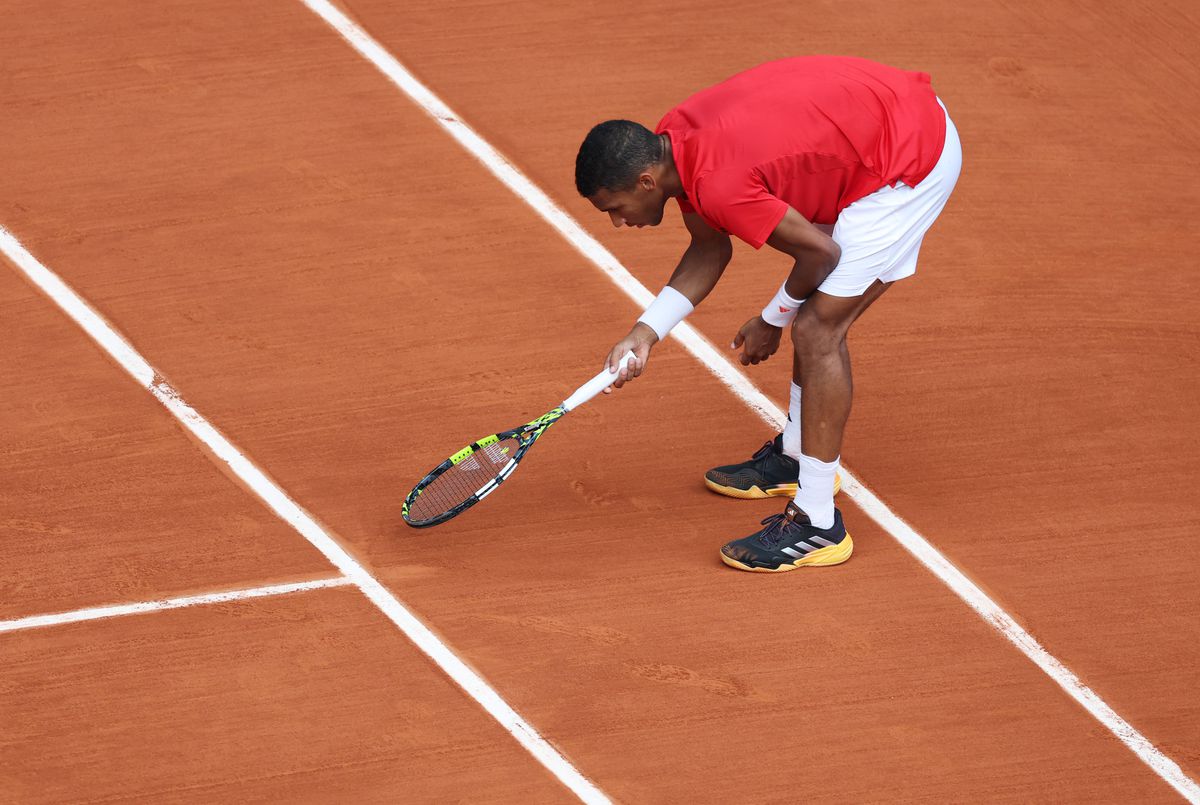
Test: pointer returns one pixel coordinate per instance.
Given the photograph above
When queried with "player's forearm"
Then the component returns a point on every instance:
(700, 269)
(810, 270)
(695, 276)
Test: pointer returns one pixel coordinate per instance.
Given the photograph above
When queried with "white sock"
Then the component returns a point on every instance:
(815, 495)
(791, 432)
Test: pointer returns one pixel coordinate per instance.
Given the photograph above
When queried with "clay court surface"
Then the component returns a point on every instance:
(321, 272)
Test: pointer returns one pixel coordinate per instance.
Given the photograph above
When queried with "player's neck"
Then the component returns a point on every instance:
(671, 184)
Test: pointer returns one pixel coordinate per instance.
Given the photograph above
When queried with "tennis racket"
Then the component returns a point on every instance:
(474, 472)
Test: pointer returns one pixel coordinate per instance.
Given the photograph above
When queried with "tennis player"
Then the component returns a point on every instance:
(842, 165)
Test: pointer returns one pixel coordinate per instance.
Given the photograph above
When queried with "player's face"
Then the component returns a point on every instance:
(641, 205)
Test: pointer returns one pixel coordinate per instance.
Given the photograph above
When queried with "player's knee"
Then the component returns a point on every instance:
(813, 336)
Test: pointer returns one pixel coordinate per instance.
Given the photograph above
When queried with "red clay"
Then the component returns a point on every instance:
(105, 500)
(349, 296)
(311, 697)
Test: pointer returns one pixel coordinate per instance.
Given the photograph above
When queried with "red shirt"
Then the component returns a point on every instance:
(816, 133)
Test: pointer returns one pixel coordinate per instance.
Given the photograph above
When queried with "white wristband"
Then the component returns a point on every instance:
(668, 309)
(782, 309)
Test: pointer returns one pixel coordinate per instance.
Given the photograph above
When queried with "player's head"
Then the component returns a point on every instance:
(620, 168)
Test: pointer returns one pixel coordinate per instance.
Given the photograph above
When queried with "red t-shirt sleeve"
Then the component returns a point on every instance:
(740, 205)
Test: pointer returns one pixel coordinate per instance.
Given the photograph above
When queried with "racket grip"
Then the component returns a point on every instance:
(596, 385)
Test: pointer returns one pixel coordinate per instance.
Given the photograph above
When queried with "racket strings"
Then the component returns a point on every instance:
(462, 481)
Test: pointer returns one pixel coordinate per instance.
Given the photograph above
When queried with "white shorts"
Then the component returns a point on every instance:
(881, 234)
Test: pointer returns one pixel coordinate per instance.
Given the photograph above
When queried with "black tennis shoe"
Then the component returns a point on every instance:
(769, 473)
(789, 541)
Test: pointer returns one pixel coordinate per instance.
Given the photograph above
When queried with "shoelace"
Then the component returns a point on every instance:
(772, 535)
(762, 452)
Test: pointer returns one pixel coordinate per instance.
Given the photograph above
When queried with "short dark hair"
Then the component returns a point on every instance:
(613, 154)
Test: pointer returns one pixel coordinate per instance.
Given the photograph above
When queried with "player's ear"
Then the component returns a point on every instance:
(647, 181)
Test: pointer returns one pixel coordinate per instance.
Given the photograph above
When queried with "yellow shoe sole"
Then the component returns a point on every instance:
(822, 557)
(757, 493)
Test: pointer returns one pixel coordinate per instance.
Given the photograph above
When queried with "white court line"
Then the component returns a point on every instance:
(720, 366)
(117, 610)
(290, 512)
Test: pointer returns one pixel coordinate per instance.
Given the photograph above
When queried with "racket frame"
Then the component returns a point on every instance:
(525, 435)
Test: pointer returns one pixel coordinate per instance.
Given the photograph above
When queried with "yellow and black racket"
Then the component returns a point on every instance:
(474, 472)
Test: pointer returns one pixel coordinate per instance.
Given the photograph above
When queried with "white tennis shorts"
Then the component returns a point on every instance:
(880, 234)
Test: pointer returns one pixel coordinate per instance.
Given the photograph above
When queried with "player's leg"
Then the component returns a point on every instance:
(792, 445)
(823, 355)
(773, 470)
(810, 531)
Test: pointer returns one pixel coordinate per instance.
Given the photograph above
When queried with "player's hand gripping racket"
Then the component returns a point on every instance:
(474, 472)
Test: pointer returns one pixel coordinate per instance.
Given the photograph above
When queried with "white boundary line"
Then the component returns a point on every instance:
(720, 366)
(117, 610)
(290, 512)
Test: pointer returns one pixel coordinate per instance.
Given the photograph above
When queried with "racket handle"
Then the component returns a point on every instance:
(596, 385)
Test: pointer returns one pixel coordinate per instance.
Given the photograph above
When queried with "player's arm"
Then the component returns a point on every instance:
(703, 262)
(815, 253)
(699, 269)
(814, 256)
